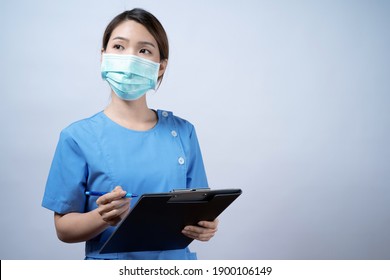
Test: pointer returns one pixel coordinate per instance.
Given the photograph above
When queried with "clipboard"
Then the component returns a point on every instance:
(156, 220)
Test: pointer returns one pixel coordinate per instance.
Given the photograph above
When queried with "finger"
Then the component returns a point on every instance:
(199, 236)
(200, 230)
(115, 212)
(199, 233)
(117, 188)
(116, 204)
(116, 194)
(208, 224)
(113, 204)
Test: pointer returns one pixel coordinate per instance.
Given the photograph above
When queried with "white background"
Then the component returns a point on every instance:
(290, 100)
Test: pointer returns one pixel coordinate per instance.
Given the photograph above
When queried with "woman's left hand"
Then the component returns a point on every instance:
(204, 232)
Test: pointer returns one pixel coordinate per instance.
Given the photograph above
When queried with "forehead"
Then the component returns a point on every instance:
(133, 31)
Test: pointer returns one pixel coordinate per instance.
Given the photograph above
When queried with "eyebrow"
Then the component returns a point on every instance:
(121, 38)
(139, 43)
(146, 43)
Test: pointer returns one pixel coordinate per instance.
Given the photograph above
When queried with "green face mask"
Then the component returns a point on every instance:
(129, 76)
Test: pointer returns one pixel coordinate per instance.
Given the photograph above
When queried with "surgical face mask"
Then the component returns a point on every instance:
(129, 76)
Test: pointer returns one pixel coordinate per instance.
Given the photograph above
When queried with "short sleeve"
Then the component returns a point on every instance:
(196, 174)
(67, 178)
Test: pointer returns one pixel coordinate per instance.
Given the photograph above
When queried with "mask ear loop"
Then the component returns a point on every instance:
(159, 79)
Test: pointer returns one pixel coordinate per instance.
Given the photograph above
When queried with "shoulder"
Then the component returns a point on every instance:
(180, 123)
(82, 128)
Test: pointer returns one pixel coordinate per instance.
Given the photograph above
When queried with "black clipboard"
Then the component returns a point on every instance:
(156, 220)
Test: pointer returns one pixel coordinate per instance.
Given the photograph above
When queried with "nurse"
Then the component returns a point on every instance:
(126, 148)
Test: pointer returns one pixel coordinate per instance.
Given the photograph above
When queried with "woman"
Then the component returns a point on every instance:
(127, 148)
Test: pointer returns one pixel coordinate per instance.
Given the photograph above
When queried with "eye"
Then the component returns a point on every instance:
(118, 47)
(145, 51)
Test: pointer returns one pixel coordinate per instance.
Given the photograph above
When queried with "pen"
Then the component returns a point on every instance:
(92, 193)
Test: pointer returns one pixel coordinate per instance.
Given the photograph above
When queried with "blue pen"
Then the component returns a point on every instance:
(92, 193)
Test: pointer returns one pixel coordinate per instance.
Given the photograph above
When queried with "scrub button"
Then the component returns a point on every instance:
(174, 133)
(181, 160)
(164, 114)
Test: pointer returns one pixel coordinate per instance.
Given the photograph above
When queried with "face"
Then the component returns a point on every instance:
(133, 38)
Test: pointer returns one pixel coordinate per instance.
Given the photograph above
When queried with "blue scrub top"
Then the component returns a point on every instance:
(97, 154)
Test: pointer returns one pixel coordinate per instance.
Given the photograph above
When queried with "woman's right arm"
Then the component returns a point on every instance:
(78, 227)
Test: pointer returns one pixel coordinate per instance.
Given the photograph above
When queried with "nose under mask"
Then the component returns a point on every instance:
(129, 76)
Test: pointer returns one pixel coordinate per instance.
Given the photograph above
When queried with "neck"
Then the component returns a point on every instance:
(133, 114)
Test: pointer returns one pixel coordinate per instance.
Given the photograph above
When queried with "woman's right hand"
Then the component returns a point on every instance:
(113, 207)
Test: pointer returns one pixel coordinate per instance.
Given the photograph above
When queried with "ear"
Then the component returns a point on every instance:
(101, 55)
(163, 66)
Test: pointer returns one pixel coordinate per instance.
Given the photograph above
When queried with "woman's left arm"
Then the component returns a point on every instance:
(204, 232)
